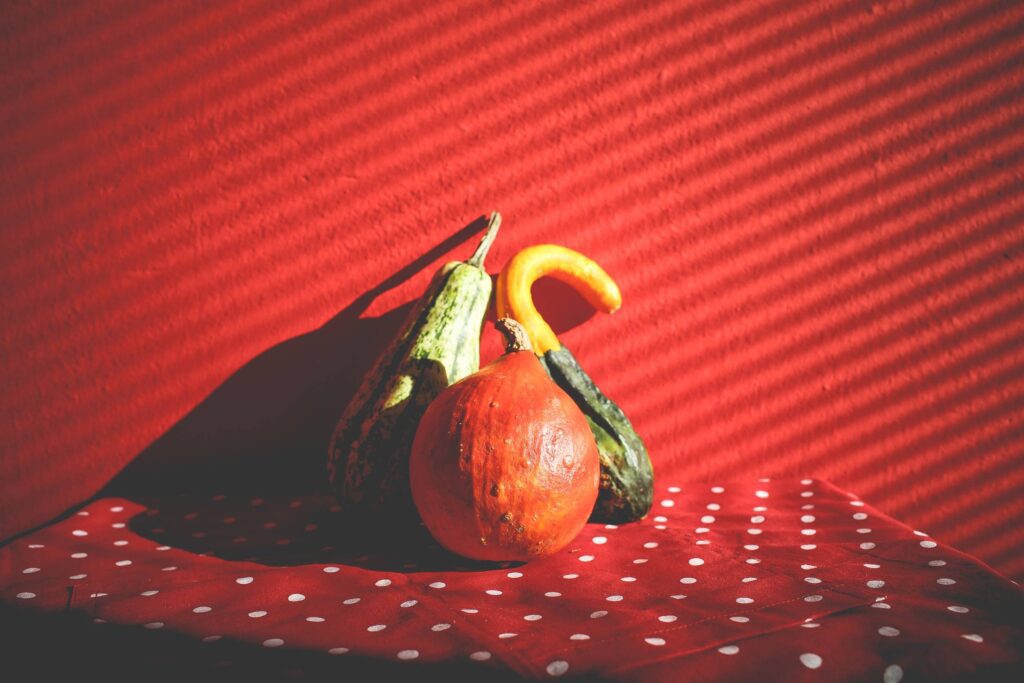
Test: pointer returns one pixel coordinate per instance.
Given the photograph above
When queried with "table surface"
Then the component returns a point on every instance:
(752, 579)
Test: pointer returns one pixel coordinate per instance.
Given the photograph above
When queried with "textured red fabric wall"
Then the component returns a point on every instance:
(813, 210)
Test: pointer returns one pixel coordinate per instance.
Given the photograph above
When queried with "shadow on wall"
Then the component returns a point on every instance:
(269, 423)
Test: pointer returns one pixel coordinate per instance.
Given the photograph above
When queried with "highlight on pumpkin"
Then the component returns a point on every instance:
(514, 298)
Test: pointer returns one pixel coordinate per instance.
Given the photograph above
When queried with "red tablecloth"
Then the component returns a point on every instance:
(748, 580)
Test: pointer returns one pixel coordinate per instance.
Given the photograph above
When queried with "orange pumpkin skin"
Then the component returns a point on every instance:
(504, 465)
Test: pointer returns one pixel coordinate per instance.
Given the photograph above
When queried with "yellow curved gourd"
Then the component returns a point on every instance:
(515, 300)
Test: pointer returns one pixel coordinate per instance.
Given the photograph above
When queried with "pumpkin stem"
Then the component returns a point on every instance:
(477, 259)
(515, 335)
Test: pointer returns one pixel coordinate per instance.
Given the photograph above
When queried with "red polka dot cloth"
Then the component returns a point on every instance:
(759, 580)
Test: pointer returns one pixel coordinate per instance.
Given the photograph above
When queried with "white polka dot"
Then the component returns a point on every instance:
(168, 569)
(211, 639)
(806, 482)
(667, 618)
(928, 544)
(754, 531)
(296, 597)
(202, 609)
(667, 503)
(655, 641)
(674, 489)
(813, 598)
(739, 619)
(729, 649)
(808, 567)
(881, 605)
(26, 595)
(945, 582)
(687, 579)
(759, 508)
(440, 627)
(258, 613)
(807, 519)
(695, 562)
(123, 563)
(467, 610)
(579, 636)
(748, 579)
(382, 583)
(600, 540)
(376, 627)
(408, 654)
(703, 541)
(628, 579)
(273, 642)
(958, 609)
(812, 579)
(744, 601)
(350, 601)
(557, 667)
(869, 565)
(761, 494)
(162, 548)
(79, 532)
(586, 558)
(892, 674)
(506, 636)
(707, 519)
(865, 530)
(808, 532)
(480, 656)
(867, 546)
(888, 631)
(810, 660)
(810, 624)
(661, 518)
(714, 506)
(570, 576)
(77, 577)
(334, 570)
(651, 544)
(611, 526)
(244, 580)
(973, 637)
(808, 546)
(315, 620)
(514, 575)
(35, 546)
(701, 530)
(936, 563)
(409, 603)
(30, 570)
(806, 494)
(533, 617)
(751, 546)
(120, 543)
(875, 583)
(860, 516)
(640, 560)
(678, 597)
(438, 584)
(492, 591)
(717, 489)
(752, 560)
(614, 598)
(337, 651)
(149, 593)
(919, 533)
(593, 615)
(153, 625)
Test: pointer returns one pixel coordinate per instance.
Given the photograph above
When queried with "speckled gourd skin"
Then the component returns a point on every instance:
(368, 455)
(504, 467)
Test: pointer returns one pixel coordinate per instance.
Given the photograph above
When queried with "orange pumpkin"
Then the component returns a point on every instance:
(504, 465)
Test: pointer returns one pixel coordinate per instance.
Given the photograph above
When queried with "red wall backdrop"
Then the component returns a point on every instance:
(212, 214)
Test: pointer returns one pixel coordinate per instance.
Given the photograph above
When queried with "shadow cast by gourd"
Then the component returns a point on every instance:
(242, 476)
